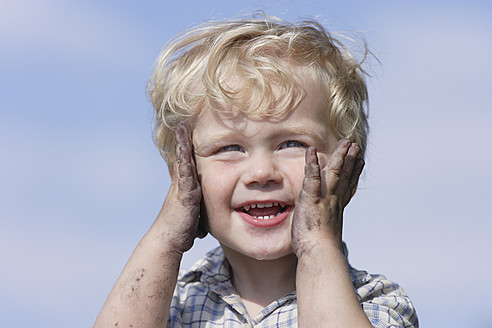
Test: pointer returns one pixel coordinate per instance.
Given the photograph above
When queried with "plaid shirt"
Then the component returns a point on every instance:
(205, 297)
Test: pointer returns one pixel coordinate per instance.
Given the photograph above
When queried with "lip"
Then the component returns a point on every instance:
(268, 222)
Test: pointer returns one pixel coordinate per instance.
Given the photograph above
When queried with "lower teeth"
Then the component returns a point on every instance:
(266, 217)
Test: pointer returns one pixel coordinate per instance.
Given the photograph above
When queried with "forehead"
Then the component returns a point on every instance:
(309, 114)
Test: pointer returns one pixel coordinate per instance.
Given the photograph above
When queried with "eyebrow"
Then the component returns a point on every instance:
(278, 132)
(216, 137)
(300, 130)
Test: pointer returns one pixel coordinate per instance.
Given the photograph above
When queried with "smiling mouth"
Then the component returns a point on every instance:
(264, 211)
(266, 214)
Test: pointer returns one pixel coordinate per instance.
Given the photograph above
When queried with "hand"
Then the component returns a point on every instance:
(181, 210)
(142, 295)
(318, 214)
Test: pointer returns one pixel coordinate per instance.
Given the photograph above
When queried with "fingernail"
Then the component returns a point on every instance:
(344, 142)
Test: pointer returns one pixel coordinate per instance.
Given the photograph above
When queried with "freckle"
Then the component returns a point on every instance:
(138, 279)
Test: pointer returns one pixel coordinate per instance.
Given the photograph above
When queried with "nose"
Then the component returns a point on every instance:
(262, 170)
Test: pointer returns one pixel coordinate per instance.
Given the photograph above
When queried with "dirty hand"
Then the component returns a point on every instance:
(318, 215)
(179, 216)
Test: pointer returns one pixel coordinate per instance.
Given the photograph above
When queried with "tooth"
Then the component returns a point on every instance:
(246, 207)
(261, 217)
(253, 205)
(255, 217)
(278, 213)
(260, 205)
(268, 204)
(275, 204)
(272, 216)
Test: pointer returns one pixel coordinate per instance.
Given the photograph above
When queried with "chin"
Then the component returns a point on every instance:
(271, 256)
(262, 253)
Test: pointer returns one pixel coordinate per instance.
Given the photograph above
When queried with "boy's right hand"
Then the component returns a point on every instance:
(179, 216)
(142, 295)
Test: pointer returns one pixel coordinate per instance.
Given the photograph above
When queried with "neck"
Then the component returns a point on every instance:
(261, 281)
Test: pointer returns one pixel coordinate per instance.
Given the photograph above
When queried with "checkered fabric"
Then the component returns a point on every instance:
(205, 297)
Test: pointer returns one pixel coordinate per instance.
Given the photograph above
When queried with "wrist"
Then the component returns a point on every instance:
(169, 246)
(317, 247)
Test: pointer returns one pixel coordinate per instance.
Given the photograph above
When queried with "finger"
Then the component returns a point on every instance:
(189, 142)
(178, 141)
(347, 170)
(335, 165)
(311, 184)
(186, 168)
(354, 181)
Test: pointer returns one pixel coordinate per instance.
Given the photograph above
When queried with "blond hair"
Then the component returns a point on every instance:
(193, 70)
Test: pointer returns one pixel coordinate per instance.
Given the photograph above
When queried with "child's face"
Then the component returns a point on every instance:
(251, 171)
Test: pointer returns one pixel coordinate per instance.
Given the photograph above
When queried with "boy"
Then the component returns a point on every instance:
(263, 127)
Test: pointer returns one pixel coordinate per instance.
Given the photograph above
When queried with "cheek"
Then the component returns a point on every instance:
(295, 174)
(323, 159)
(217, 183)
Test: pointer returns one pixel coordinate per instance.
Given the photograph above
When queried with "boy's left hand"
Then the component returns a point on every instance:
(318, 215)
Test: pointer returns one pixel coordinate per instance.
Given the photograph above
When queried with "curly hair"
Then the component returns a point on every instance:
(263, 52)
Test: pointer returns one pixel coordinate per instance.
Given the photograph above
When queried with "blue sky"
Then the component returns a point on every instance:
(81, 181)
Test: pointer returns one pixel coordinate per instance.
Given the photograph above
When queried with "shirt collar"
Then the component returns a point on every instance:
(213, 268)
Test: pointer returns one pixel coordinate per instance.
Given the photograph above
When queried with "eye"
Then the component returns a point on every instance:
(292, 143)
(230, 148)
